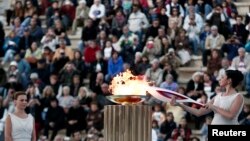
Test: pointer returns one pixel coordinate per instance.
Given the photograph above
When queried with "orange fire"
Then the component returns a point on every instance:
(127, 84)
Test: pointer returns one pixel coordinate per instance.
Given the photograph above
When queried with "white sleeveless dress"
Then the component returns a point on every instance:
(21, 128)
(225, 102)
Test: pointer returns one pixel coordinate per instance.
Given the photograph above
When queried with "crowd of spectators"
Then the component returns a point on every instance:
(67, 84)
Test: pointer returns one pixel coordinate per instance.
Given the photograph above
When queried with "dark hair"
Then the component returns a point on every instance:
(17, 94)
(236, 77)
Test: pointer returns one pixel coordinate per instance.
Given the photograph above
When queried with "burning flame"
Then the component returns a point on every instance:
(126, 83)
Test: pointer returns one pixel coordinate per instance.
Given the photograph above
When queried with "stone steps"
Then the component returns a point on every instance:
(243, 7)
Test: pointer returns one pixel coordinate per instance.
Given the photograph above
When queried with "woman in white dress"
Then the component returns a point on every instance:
(226, 105)
(19, 125)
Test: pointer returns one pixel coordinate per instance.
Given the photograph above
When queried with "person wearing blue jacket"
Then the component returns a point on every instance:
(115, 66)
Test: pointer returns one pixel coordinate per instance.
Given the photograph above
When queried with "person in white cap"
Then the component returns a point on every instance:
(81, 14)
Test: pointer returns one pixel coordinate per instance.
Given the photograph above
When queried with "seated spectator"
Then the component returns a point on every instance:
(241, 62)
(193, 30)
(49, 40)
(203, 8)
(168, 69)
(158, 114)
(118, 21)
(55, 119)
(90, 52)
(94, 118)
(214, 63)
(33, 54)
(13, 71)
(204, 128)
(97, 11)
(217, 18)
(171, 58)
(150, 50)
(50, 11)
(209, 84)
(137, 21)
(34, 107)
(76, 135)
(239, 30)
(183, 131)
(195, 86)
(39, 85)
(76, 118)
(230, 47)
(182, 47)
(174, 5)
(169, 83)
(115, 66)
(69, 11)
(203, 36)
(10, 47)
(175, 17)
(65, 99)
(3, 116)
(75, 84)
(47, 95)
(81, 15)
(67, 73)
(84, 97)
(244, 117)
(35, 30)
(25, 41)
(154, 73)
(63, 51)
(80, 64)
(167, 127)
(60, 32)
(213, 41)
(29, 9)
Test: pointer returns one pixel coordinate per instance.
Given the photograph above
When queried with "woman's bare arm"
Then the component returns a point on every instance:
(8, 129)
(34, 132)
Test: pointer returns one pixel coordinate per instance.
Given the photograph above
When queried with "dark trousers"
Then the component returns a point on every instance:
(205, 54)
(8, 16)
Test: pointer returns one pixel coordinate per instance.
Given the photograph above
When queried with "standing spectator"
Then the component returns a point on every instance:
(55, 119)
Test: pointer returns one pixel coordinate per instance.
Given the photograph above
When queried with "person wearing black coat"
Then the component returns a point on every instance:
(76, 119)
(55, 119)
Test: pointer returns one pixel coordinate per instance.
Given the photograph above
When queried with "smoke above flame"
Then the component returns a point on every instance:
(126, 83)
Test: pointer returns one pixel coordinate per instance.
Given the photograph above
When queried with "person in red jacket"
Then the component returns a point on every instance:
(90, 52)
